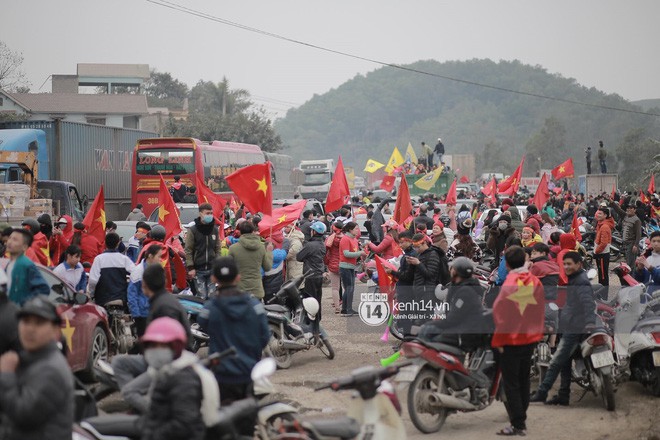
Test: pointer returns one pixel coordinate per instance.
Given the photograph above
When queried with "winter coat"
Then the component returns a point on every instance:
(107, 278)
(8, 326)
(136, 215)
(457, 249)
(580, 308)
(547, 230)
(332, 252)
(385, 248)
(650, 276)
(547, 271)
(138, 303)
(163, 304)
(251, 257)
(604, 236)
(426, 272)
(405, 275)
(37, 400)
(202, 245)
(568, 243)
(90, 247)
(26, 281)
(41, 248)
(497, 239)
(59, 242)
(532, 241)
(233, 318)
(294, 269)
(464, 313)
(312, 256)
(516, 221)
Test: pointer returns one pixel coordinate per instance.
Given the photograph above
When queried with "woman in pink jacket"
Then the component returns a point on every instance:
(389, 247)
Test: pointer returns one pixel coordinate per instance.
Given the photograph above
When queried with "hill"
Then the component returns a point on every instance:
(648, 104)
(368, 115)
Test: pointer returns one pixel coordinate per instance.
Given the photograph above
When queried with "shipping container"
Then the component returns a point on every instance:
(283, 165)
(594, 184)
(462, 164)
(89, 155)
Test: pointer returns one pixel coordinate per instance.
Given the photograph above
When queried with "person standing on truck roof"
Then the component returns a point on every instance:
(587, 156)
(602, 155)
(178, 190)
(440, 149)
(428, 152)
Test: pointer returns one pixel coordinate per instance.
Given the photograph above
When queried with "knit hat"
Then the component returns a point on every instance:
(534, 224)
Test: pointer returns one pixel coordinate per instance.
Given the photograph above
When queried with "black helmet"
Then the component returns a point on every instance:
(158, 233)
(33, 224)
(463, 266)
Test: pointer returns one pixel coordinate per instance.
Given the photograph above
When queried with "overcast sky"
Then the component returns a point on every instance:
(608, 44)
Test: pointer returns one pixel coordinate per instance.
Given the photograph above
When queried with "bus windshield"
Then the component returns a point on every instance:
(166, 161)
(317, 179)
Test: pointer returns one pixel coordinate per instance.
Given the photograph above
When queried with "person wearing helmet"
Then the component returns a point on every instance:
(389, 247)
(8, 322)
(178, 398)
(233, 318)
(24, 279)
(312, 257)
(463, 321)
(39, 251)
(36, 388)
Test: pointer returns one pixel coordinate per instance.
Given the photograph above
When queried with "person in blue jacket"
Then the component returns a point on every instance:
(234, 319)
(138, 303)
(647, 268)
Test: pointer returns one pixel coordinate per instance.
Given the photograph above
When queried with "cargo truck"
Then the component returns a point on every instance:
(594, 184)
(317, 178)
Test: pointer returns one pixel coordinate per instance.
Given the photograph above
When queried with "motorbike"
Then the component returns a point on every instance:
(294, 325)
(441, 384)
(193, 305)
(121, 327)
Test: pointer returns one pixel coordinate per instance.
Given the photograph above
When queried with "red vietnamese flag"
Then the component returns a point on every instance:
(613, 191)
(519, 311)
(643, 197)
(252, 185)
(465, 179)
(388, 183)
(564, 170)
(95, 219)
(510, 184)
(168, 213)
(205, 195)
(575, 227)
(403, 205)
(451, 194)
(386, 282)
(233, 205)
(339, 190)
(281, 217)
(491, 190)
(652, 184)
(542, 193)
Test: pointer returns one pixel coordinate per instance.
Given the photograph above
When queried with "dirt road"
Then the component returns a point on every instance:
(637, 415)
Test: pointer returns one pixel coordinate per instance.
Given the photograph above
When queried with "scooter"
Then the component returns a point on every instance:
(294, 325)
(193, 305)
(441, 384)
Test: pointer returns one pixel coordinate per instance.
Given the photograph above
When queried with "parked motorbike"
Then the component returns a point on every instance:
(294, 325)
(121, 327)
(441, 384)
(193, 305)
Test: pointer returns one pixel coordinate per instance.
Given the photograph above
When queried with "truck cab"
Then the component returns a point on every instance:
(317, 178)
(65, 198)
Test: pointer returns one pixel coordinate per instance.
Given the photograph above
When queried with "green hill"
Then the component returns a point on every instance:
(368, 115)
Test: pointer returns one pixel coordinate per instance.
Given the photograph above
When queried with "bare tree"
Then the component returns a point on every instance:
(12, 76)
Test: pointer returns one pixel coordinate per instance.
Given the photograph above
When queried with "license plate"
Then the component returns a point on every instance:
(602, 359)
(407, 374)
(656, 358)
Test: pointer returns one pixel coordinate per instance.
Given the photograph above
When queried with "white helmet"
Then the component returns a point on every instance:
(311, 306)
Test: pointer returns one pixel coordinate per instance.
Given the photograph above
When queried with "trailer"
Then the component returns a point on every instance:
(595, 184)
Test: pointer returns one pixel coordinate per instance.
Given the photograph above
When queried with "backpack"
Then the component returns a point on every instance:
(442, 276)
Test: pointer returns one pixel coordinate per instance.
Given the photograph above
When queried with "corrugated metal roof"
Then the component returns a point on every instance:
(83, 103)
(114, 70)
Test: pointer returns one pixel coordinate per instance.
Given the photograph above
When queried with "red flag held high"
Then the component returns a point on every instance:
(510, 184)
(253, 186)
(542, 193)
(575, 227)
(652, 184)
(388, 183)
(403, 205)
(564, 169)
(451, 194)
(643, 197)
(205, 195)
(613, 191)
(386, 282)
(168, 213)
(338, 189)
(491, 190)
(95, 219)
(281, 217)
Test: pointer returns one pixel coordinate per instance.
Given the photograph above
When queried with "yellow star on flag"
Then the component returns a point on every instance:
(281, 219)
(102, 218)
(162, 213)
(262, 185)
(524, 296)
(562, 169)
(68, 332)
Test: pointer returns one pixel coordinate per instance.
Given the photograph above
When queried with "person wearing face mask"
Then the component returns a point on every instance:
(135, 242)
(498, 234)
(184, 397)
(202, 247)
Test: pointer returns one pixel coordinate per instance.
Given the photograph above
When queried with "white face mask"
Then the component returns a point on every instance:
(502, 225)
(158, 357)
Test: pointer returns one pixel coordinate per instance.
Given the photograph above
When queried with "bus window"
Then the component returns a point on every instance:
(167, 161)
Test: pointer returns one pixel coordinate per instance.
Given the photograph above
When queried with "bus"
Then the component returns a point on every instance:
(186, 157)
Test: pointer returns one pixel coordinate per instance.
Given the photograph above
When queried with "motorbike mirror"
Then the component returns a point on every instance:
(264, 368)
(554, 307)
(592, 274)
(81, 298)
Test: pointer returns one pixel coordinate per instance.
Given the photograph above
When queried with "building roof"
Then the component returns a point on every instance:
(114, 70)
(125, 104)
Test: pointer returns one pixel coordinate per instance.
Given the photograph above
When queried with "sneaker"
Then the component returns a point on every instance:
(537, 397)
(556, 400)
(346, 314)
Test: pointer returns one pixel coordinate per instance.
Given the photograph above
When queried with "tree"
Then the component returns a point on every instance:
(12, 77)
(207, 97)
(636, 157)
(163, 90)
(547, 148)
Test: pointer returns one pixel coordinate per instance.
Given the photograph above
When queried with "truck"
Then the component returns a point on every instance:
(594, 184)
(462, 164)
(87, 155)
(317, 176)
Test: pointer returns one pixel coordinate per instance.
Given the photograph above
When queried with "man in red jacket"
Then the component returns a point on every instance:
(40, 250)
(89, 245)
(518, 313)
(602, 243)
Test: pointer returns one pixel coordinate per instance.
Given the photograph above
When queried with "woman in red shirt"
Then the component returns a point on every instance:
(349, 252)
(332, 261)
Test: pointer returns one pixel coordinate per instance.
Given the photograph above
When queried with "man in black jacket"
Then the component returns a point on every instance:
(312, 255)
(577, 317)
(202, 247)
(426, 267)
(422, 218)
(36, 388)
(439, 150)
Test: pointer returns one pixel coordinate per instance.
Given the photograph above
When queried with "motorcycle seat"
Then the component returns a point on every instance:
(125, 425)
(114, 303)
(438, 346)
(276, 308)
(191, 298)
(343, 427)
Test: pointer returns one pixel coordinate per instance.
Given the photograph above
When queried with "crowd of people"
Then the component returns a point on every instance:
(236, 267)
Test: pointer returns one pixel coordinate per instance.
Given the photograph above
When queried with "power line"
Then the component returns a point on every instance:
(194, 12)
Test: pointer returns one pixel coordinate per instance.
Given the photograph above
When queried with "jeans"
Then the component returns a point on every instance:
(348, 281)
(515, 363)
(561, 364)
(429, 160)
(603, 166)
(203, 283)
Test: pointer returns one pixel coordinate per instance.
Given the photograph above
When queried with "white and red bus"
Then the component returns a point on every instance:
(186, 157)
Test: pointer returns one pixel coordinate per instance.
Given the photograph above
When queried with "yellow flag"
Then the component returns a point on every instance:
(395, 160)
(428, 181)
(410, 154)
(373, 166)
